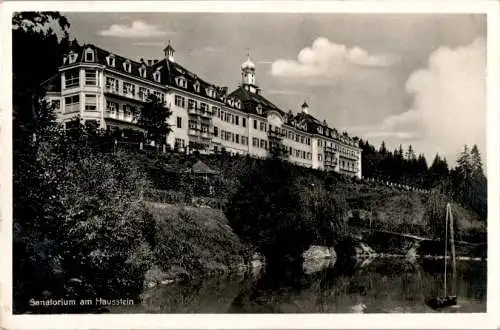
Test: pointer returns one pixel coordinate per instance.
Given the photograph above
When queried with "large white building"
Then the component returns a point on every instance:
(104, 87)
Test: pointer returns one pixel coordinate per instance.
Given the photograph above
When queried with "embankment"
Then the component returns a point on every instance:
(194, 242)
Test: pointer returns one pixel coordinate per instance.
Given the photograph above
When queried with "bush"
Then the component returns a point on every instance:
(283, 213)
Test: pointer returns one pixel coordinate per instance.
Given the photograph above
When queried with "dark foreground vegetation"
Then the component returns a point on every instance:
(83, 226)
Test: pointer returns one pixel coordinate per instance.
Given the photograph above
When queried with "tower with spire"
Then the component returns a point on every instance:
(248, 75)
(169, 52)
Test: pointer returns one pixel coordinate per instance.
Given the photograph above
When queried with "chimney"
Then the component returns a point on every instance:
(150, 62)
(155, 61)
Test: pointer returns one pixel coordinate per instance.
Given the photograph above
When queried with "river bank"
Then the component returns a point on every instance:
(197, 242)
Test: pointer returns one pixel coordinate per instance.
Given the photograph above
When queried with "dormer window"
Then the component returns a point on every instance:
(197, 86)
(72, 57)
(210, 92)
(65, 60)
(111, 60)
(142, 71)
(127, 66)
(89, 55)
(259, 109)
(157, 76)
(181, 82)
(237, 104)
(230, 102)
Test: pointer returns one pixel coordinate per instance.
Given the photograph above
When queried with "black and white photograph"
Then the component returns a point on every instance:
(249, 163)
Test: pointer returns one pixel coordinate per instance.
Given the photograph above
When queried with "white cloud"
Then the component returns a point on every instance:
(327, 59)
(449, 107)
(138, 29)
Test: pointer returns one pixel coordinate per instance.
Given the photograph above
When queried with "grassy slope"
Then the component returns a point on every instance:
(195, 241)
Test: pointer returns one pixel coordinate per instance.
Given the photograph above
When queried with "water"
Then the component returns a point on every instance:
(379, 286)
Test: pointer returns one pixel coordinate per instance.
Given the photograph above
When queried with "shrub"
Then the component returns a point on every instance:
(282, 213)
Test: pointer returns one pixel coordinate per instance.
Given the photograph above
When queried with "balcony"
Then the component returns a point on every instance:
(196, 111)
(128, 95)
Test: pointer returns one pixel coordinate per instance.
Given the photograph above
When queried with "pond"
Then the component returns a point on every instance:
(376, 286)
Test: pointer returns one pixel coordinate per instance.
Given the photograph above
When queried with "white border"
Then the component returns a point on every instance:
(487, 320)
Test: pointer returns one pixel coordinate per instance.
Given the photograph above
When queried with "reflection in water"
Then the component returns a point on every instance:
(381, 286)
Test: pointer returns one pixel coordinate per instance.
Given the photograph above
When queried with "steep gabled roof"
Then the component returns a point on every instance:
(251, 100)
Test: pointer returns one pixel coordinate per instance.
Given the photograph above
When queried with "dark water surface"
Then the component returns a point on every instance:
(380, 286)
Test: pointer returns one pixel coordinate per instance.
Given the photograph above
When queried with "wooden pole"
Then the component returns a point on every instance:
(446, 249)
(452, 243)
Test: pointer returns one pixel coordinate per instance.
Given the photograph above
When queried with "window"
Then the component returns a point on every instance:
(56, 104)
(91, 77)
(90, 102)
(157, 77)
(215, 111)
(72, 103)
(216, 131)
(111, 107)
(159, 96)
(237, 120)
(179, 122)
(204, 107)
(290, 151)
(179, 143)
(255, 123)
(259, 109)
(72, 78)
(143, 93)
(128, 111)
(89, 55)
(237, 138)
(142, 71)
(111, 60)
(196, 87)
(255, 142)
(127, 66)
(191, 104)
(244, 122)
(72, 57)
(181, 82)
(111, 84)
(179, 101)
(128, 89)
(262, 126)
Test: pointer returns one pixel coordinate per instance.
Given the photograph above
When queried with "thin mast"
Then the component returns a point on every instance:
(452, 242)
(445, 249)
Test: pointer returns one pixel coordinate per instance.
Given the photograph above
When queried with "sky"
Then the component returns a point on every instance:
(405, 79)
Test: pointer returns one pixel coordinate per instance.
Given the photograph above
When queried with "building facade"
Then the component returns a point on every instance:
(105, 88)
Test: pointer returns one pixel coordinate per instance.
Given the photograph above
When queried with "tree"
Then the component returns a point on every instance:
(464, 163)
(153, 117)
(383, 149)
(476, 162)
(282, 213)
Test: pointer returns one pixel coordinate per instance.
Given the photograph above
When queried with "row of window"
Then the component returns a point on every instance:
(262, 126)
(72, 78)
(231, 118)
(231, 137)
(114, 108)
(131, 90)
(72, 103)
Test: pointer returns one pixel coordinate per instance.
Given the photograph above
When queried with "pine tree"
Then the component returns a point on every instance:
(476, 162)
(464, 163)
(383, 149)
